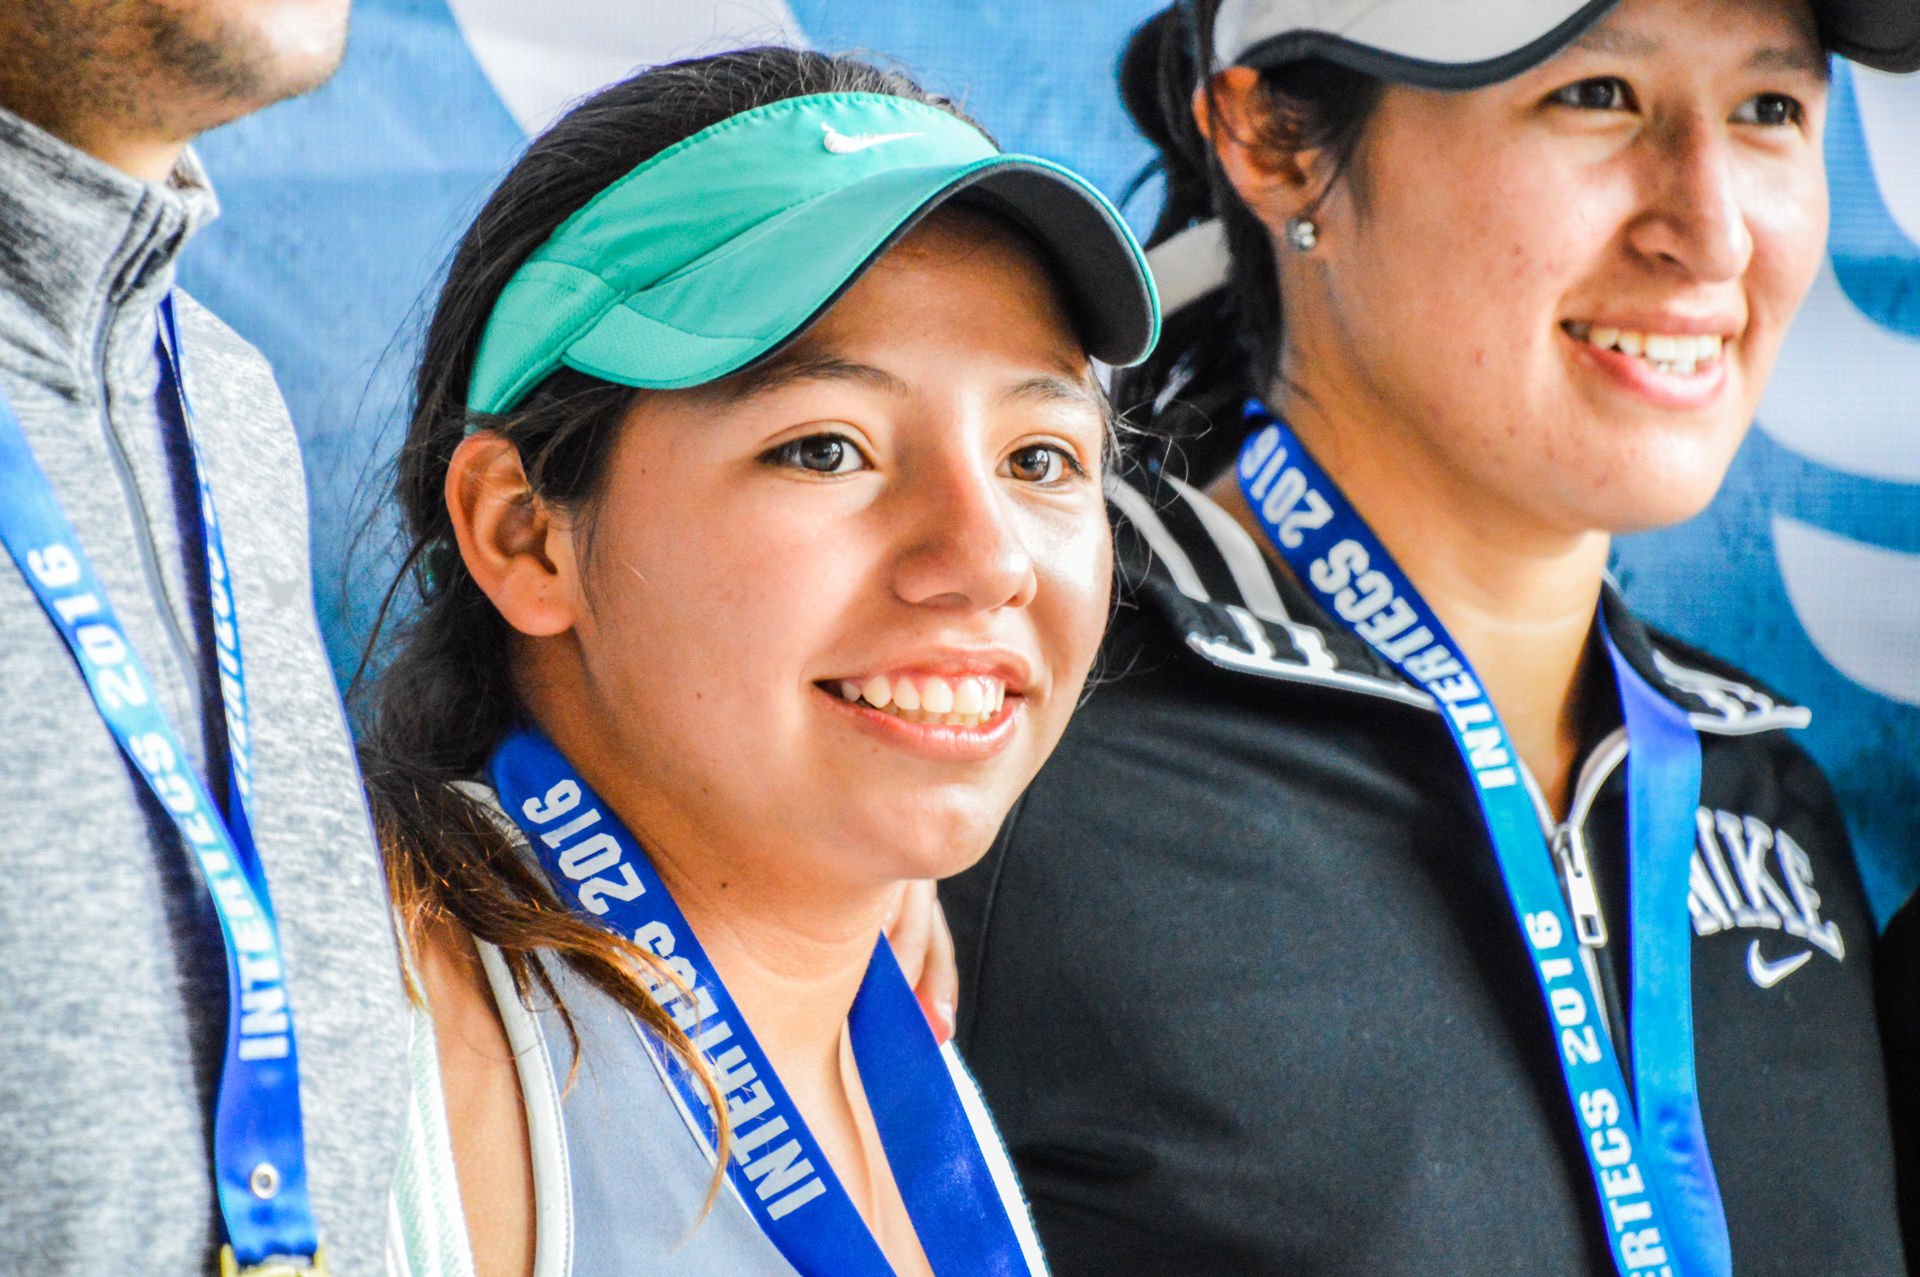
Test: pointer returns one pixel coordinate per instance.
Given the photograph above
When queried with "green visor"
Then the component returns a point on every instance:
(729, 244)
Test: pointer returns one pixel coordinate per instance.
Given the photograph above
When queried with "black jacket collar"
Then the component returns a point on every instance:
(1184, 561)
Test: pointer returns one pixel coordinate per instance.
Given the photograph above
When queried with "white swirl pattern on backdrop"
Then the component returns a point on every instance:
(1847, 395)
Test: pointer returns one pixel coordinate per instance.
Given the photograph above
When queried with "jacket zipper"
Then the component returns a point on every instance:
(1568, 841)
(1565, 839)
(157, 587)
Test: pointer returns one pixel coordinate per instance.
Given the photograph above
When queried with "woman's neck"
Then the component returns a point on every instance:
(790, 940)
(1519, 598)
(793, 950)
(792, 953)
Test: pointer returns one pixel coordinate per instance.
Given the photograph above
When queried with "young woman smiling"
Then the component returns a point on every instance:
(755, 488)
(1460, 922)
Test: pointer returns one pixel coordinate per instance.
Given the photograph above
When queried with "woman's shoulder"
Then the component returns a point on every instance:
(621, 1170)
(427, 1227)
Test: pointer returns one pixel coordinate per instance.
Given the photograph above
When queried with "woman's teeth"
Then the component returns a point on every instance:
(930, 698)
(1680, 355)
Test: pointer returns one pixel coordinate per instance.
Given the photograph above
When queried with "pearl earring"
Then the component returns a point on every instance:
(1302, 234)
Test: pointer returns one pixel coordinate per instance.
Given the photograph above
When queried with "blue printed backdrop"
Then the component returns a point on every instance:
(340, 209)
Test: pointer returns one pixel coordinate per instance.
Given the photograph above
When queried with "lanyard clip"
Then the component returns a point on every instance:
(1582, 899)
(275, 1265)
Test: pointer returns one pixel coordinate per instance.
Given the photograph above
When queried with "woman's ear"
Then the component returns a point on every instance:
(520, 552)
(1236, 119)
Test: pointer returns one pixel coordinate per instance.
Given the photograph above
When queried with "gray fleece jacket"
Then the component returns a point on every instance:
(112, 981)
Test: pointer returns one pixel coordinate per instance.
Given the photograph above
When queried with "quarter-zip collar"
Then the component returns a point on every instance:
(1187, 563)
(81, 244)
(1187, 560)
(1568, 838)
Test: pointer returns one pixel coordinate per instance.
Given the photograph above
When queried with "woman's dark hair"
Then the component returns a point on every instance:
(446, 696)
(1222, 347)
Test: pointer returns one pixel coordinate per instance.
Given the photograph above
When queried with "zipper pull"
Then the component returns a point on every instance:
(1582, 899)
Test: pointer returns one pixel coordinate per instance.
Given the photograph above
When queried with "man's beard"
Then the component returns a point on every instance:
(180, 71)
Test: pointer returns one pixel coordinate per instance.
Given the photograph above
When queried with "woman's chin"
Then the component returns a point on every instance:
(944, 861)
(935, 849)
(1656, 480)
(1672, 498)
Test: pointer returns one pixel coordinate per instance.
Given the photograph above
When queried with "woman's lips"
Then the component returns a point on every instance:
(948, 735)
(1677, 370)
(952, 700)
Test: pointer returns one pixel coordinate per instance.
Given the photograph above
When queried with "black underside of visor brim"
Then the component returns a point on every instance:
(1107, 295)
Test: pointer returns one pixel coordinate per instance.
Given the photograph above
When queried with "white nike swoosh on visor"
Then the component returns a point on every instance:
(1767, 974)
(840, 144)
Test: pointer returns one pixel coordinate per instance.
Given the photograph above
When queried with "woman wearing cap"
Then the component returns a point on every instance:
(755, 487)
(1409, 906)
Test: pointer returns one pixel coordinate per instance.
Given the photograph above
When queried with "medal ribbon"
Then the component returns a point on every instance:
(775, 1165)
(1651, 1172)
(259, 1153)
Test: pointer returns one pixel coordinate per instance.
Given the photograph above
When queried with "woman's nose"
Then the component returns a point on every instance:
(1695, 220)
(961, 545)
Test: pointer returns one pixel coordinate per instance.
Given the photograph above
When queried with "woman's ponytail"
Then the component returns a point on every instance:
(1157, 77)
(1221, 347)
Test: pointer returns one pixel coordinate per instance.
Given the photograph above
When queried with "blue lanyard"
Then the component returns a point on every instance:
(777, 1168)
(1648, 1156)
(258, 1151)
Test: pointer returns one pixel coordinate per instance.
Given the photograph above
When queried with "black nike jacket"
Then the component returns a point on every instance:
(1242, 986)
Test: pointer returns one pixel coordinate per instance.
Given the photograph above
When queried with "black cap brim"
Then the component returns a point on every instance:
(1881, 34)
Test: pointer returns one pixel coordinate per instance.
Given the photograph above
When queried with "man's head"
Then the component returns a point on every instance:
(132, 81)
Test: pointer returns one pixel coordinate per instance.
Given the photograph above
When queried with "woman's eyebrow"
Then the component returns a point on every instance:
(1801, 58)
(1619, 42)
(796, 367)
(1053, 388)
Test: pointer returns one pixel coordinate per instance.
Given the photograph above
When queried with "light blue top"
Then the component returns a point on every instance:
(619, 1177)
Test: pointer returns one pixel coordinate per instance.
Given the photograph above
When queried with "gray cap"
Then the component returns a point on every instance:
(1464, 44)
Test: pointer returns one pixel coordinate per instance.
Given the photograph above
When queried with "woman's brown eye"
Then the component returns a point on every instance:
(822, 454)
(1603, 93)
(1037, 464)
(1769, 110)
(819, 454)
